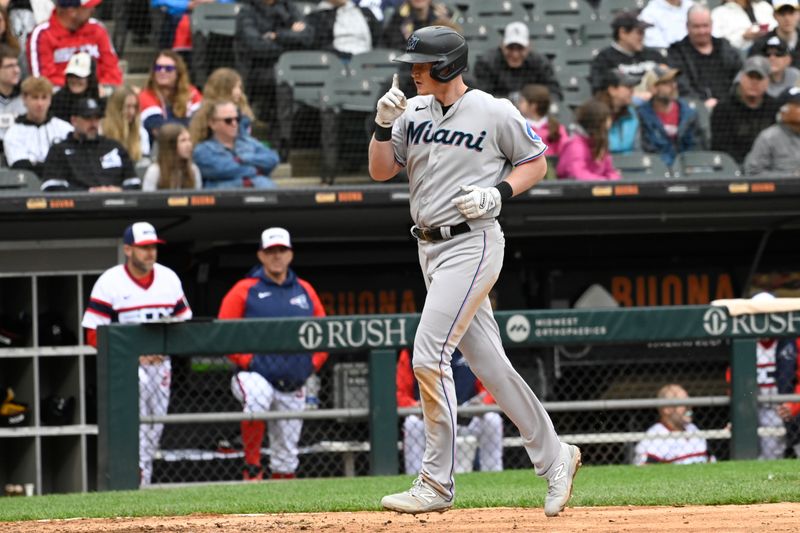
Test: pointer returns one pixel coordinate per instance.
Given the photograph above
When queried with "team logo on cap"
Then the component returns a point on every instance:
(412, 43)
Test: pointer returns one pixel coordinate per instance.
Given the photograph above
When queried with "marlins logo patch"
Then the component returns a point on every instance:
(412, 43)
(532, 134)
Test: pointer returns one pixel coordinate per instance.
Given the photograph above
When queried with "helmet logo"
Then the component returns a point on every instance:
(412, 43)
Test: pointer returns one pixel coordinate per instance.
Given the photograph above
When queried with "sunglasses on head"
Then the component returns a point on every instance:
(164, 68)
(229, 120)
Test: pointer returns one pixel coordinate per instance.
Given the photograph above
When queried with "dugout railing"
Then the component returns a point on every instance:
(120, 345)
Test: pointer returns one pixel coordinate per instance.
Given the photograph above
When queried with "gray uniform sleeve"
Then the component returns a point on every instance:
(398, 139)
(515, 137)
(759, 159)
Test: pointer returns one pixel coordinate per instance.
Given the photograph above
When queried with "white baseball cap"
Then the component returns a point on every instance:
(777, 4)
(141, 234)
(275, 237)
(80, 65)
(516, 33)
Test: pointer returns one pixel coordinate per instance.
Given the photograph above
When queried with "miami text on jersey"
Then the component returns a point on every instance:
(424, 133)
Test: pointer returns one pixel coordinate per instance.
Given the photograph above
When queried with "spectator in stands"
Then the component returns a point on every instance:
(585, 156)
(264, 30)
(782, 74)
(8, 38)
(29, 139)
(667, 19)
(173, 11)
(231, 158)
(486, 428)
(342, 27)
(669, 125)
(410, 16)
(506, 70)
(707, 64)
(617, 93)
(11, 104)
(174, 168)
(71, 29)
(627, 53)
(534, 104)
(272, 381)
(169, 95)
(23, 16)
(226, 84)
(122, 123)
(776, 150)
(677, 450)
(737, 120)
(81, 82)
(742, 21)
(86, 160)
(787, 15)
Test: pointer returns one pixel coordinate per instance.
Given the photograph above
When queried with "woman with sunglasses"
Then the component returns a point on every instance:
(230, 158)
(168, 95)
(223, 84)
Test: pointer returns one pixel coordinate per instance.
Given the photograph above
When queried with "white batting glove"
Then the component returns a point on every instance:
(391, 105)
(478, 201)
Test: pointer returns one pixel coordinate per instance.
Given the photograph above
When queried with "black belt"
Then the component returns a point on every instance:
(439, 234)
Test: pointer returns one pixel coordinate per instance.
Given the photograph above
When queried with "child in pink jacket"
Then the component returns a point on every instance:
(534, 104)
(584, 156)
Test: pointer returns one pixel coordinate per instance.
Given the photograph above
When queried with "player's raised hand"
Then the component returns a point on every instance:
(391, 105)
(478, 201)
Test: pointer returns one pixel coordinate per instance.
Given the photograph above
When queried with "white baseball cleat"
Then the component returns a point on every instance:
(559, 484)
(420, 498)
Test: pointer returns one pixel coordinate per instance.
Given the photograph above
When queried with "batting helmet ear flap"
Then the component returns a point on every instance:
(455, 63)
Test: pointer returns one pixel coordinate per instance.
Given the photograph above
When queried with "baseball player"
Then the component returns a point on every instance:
(486, 428)
(465, 153)
(673, 450)
(140, 290)
(265, 382)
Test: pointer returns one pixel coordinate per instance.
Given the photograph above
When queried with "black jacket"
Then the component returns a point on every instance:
(494, 76)
(321, 24)
(734, 126)
(760, 46)
(257, 18)
(610, 58)
(712, 79)
(78, 164)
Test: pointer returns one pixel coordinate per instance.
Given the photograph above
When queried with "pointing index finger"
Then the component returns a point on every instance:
(395, 82)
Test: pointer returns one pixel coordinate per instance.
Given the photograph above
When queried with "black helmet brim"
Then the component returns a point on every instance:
(411, 57)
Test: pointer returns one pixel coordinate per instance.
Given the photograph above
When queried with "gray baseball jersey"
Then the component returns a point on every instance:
(475, 143)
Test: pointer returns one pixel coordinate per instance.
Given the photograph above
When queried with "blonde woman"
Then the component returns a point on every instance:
(174, 168)
(168, 95)
(122, 123)
(223, 84)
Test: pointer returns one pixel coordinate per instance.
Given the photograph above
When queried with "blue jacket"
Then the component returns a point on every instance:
(258, 296)
(655, 138)
(624, 136)
(248, 159)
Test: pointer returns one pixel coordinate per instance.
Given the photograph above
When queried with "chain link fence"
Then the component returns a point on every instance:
(604, 398)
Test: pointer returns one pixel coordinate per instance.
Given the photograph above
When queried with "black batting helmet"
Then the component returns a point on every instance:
(440, 45)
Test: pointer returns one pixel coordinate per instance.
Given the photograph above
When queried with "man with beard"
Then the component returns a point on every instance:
(669, 125)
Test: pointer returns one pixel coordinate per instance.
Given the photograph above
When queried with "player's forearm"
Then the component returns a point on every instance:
(526, 176)
(382, 165)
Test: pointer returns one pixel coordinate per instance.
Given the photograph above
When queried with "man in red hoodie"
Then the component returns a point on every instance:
(72, 29)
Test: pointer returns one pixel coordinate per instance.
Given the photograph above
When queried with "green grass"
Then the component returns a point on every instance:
(734, 482)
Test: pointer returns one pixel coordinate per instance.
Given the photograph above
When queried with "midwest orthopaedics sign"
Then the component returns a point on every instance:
(717, 321)
(354, 333)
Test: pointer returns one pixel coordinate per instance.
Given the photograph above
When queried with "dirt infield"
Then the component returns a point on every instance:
(773, 518)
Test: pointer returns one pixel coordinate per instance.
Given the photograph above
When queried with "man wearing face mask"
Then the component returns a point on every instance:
(776, 150)
(86, 160)
(669, 125)
(681, 450)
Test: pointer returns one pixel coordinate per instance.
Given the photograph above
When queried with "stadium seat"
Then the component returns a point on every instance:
(703, 120)
(495, 13)
(608, 9)
(570, 14)
(346, 113)
(641, 165)
(304, 8)
(576, 89)
(564, 113)
(575, 61)
(213, 29)
(306, 73)
(18, 180)
(596, 33)
(376, 65)
(703, 164)
(481, 37)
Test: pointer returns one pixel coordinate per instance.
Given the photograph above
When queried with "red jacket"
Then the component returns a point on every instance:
(51, 45)
(405, 381)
